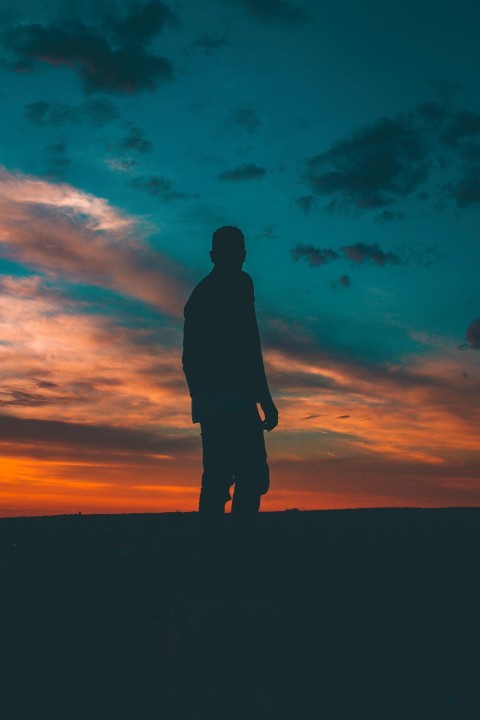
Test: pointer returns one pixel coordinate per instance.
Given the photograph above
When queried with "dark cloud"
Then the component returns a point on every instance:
(306, 203)
(268, 232)
(358, 253)
(39, 112)
(461, 125)
(388, 160)
(248, 171)
(21, 398)
(48, 384)
(87, 437)
(446, 90)
(14, 397)
(428, 115)
(209, 43)
(113, 58)
(361, 252)
(426, 256)
(375, 166)
(471, 152)
(95, 112)
(142, 23)
(389, 216)
(314, 256)
(56, 149)
(159, 187)
(133, 141)
(473, 334)
(244, 118)
(343, 281)
(296, 379)
(279, 12)
(58, 162)
(467, 190)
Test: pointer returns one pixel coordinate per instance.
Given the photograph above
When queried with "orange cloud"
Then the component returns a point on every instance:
(64, 232)
(62, 363)
(424, 409)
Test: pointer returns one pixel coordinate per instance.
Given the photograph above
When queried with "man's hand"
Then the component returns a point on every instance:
(271, 414)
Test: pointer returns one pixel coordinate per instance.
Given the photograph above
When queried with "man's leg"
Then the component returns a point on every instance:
(216, 480)
(251, 482)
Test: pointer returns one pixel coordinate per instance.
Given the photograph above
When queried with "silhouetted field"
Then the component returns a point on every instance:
(351, 614)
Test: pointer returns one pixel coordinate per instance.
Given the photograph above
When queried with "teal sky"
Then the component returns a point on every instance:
(342, 137)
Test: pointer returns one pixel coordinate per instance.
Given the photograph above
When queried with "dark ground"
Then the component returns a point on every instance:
(351, 614)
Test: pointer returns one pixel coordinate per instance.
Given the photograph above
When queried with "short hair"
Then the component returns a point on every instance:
(228, 238)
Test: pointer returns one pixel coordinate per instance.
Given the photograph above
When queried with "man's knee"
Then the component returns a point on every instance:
(215, 489)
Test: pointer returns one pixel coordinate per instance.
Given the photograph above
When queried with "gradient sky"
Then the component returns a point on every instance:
(344, 139)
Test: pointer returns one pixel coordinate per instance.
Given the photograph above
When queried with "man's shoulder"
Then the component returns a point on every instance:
(203, 286)
(213, 282)
(200, 292)
(211, 286)
(247, 280)
(248, 286)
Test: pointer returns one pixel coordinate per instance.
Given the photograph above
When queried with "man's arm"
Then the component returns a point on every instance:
(195, 343)
(262, 390)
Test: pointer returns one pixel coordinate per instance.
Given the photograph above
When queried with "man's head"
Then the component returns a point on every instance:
(228, 249)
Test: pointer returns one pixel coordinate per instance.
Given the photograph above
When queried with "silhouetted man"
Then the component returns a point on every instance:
(223, 365)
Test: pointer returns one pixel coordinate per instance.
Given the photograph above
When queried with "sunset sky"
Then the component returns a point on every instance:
(343, 137)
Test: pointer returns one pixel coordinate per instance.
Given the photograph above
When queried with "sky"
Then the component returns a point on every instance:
(343, 138)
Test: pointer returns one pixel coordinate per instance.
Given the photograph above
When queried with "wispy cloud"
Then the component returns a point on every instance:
(413, 411)
(62, 362)
(66, 233)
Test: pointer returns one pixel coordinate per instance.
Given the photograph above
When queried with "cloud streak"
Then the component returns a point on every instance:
(66, 233)
(416, 411)
(62, 362)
